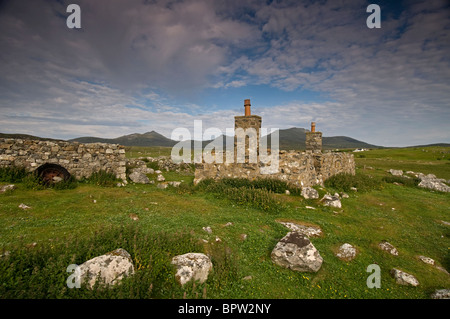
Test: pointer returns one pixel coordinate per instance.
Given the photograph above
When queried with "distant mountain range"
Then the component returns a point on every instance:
(290, 139)
(147, 139)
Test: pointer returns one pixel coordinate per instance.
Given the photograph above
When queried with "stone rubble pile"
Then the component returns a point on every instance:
(429, 181)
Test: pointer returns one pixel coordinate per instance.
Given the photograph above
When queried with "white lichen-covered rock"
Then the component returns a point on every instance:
(346, 252)
(431, 182)
(160, 178)
(441, 294)
(309, 193)
(108, 269)
(396, 172)
(403, 278)
(332, 201)
(295, 251)
(384, 245)
(6, 188)
(174, 184)
(427, 260)
(192, 266)
(162, 185)
(139, 178)
(309, 231)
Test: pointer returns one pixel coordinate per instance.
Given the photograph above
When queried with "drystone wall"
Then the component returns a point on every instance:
(80, 160)
(297, 168)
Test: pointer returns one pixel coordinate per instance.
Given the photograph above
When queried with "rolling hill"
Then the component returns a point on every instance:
(146, 139)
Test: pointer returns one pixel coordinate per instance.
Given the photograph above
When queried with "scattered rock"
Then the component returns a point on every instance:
(243, 236)
(310, 207)
(309, 193)
(403, 278)
(134, 216)
(6, 188)
(295, 251)
(287, 192)
(396, 172)
(431, 182)
(109, 269)
(441, 294)
(207, 229)
(139, 178)
(427, 260)
(218, 240)
(332, 201)
(442, 269)
(384, 245)
(162, 185)
(160, 178)
(346, 252)
(344, 195)
(353, 189)
(309, 231)
(23, 206)
(6, 253)
(247, 278)
(143, 169)
(192, 266)
(228, 224)
(174, 184)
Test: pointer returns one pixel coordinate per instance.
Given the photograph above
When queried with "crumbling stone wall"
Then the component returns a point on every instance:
(298, 168)
(80, 160)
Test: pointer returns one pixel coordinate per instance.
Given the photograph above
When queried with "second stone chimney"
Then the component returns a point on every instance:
(313, 139)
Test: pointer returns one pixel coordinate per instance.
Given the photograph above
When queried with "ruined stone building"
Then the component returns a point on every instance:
(308, 168)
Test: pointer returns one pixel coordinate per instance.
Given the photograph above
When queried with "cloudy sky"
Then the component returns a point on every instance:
(137, 66)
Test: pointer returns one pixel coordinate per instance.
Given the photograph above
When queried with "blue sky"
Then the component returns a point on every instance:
(137, 66)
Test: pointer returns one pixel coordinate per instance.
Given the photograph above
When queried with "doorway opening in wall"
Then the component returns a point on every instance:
(52, 173)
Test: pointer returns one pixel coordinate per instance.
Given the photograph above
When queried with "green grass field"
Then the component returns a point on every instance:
(73, 225)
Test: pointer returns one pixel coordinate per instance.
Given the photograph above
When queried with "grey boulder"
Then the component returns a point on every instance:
(108, 269)
(192, 266)
(139, 178)
(295, 251)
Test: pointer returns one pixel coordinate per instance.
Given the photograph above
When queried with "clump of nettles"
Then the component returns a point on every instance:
(345, 182)
(258, 193)
(102, 178)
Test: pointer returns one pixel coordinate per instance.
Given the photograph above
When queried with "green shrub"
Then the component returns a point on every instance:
(344, 182)
(12, 174)
(102, 178)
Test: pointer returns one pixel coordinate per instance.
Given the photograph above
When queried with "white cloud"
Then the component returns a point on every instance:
(124, 70)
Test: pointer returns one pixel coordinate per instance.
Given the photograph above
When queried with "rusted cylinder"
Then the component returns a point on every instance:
(247, 107)
(313, 126)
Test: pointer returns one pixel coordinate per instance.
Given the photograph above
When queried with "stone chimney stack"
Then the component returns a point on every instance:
(246, 122)
(313, 139)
